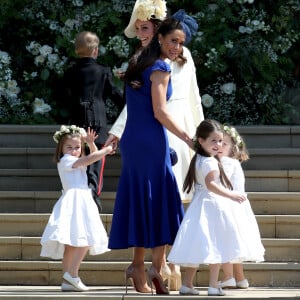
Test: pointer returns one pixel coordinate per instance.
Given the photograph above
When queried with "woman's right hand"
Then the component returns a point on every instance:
(112, 140)
(190, 143)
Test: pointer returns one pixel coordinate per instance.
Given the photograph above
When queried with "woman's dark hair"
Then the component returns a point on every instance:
(139, 62)
(203, 131)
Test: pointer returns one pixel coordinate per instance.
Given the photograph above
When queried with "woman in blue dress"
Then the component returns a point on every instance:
(148, 208)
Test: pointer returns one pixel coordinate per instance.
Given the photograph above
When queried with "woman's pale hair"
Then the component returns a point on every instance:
(85, 43)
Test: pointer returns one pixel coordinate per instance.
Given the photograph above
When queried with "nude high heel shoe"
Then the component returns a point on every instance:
(133, 274)
(174, 281)
(165, 273)
(156, 279)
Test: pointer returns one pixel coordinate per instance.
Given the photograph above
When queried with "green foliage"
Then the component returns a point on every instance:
(252, 45)
(246, 54)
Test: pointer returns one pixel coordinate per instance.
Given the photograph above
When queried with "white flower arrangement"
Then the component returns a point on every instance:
(40, 107)
(45, 55)
(207, 100)
(118, 45)
(117, 71)
(228, 88)
(231, 131)
(250, 41)
(9, 89)
(72, 129)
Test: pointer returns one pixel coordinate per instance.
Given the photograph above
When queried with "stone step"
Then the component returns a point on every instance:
(273, 159)
(275, 203)
(268, 203)
(45, 180)
(29, 248)
(271, 136)
(42, 158)
(27, 158)
(42, 201)
(272, 180)
(27, 135)
(16, 292)
(94, 273)
(256, 136)
(48, 180)
(32, 225)
(39, 158)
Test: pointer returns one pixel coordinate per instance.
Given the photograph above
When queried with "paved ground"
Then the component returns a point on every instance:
(118, 293)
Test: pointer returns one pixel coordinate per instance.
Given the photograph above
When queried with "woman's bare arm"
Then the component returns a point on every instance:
(159, 102)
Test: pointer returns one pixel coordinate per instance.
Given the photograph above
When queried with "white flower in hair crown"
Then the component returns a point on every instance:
(72, 129)
(149, 9)
(231, 131)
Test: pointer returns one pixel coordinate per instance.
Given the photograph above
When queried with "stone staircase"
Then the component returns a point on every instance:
(29, 187)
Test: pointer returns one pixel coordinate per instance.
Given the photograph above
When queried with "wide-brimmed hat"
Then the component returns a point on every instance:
(145, 10)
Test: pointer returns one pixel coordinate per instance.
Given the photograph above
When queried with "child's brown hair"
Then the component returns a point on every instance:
(205, 128)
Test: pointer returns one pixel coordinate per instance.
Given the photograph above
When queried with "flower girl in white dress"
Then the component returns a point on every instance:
(232, 154)
(74, 227)
(208, 233)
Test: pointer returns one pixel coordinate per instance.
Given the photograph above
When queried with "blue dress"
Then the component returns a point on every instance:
(148, 208)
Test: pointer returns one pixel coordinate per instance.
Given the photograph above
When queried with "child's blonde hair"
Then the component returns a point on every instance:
(67, 132)
(85, 43)
(238, 150)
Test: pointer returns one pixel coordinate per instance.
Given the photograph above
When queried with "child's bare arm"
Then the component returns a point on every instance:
(90, 138)
(92, 157)
(210, 181)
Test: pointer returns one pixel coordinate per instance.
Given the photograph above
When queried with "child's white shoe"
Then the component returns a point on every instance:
(243, 284)
(75, 282)
(228, 284)
(184, 290)
(215, 292)
(66, 287)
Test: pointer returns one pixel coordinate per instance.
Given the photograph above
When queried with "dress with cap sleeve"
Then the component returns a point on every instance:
(148, 208)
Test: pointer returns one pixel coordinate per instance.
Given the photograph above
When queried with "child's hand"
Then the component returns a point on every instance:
(110, 148)
(113, 141)
(238, 197)
(91, 136)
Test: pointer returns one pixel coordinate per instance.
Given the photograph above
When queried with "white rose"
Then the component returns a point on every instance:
(228, 88)
(207, 100)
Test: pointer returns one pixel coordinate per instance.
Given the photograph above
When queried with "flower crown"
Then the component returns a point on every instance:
(231, 131)
(72, 129)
